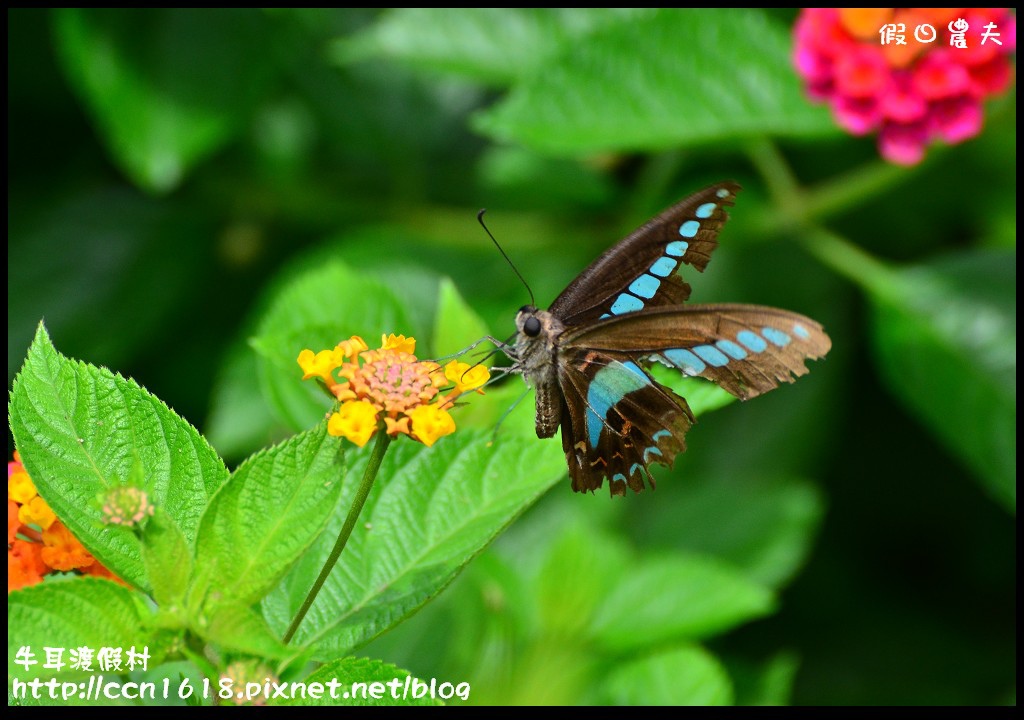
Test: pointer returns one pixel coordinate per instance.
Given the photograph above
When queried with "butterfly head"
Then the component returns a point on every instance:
(532, 323)
(537, 331)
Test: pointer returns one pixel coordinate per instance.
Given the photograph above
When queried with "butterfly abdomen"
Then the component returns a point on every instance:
(536, 354)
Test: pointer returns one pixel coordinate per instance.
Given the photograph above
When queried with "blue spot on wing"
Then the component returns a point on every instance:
(689, 228)
(731, 349)
(663, 266)
(705, 210)
(636, 369)
(645, 286)
(626, 303)
(677, 248)
(711, 355)
(800, 331)
(611, 383)
(776, 337)
(685, 361)
(753, 341)
(722, 193)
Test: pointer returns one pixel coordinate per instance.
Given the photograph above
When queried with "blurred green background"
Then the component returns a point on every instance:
(169, 169)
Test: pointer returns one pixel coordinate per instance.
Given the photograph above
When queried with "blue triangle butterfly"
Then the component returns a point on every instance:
(587, 355)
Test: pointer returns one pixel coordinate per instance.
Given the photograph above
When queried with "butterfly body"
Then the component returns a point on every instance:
(587, 355)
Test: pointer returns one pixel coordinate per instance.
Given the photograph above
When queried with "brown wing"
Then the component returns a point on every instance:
(641, 271)
(746, 349)
(616, 421)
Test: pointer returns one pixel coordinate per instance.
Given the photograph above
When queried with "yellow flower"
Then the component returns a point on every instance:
(352, 347)
(321, 364)
(355, 420)
(390, 388)
(466, 376)
(429, 422)
(19, 485)
(398, 343)
(36, 512)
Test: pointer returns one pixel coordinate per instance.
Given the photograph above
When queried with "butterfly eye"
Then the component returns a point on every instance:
(531, 327)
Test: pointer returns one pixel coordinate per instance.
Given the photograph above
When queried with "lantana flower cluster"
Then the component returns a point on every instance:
(390, 387)
(38, 543)
(913, 75)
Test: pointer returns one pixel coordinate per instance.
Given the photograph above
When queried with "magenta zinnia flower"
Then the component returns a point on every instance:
(904, 73)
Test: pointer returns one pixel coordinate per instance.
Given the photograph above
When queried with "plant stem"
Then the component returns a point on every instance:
(797, 209)
(362, 492)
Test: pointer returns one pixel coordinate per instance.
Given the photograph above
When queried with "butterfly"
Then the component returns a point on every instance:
(587, 356)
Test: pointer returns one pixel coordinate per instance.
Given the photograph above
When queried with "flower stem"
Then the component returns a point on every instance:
(362, 492)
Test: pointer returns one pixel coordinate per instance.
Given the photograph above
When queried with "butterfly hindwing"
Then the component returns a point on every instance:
(616, 421)
(745, 349)
(641, 271)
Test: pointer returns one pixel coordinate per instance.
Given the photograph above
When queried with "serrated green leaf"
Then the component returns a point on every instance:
(489, 44)
(676, 597)
(456, 326)
(74, 613)
(362, 681)
(678, 77)
(81, 430)
(268, 513)
(946, 340)
(137, 73)
(430, 511)
(685, 675)
(168, 560)
(317, 310)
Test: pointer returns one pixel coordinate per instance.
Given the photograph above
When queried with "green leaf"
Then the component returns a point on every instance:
(81, 430)
(72, 613)
(166, 87)
(168, 560)
(317, 310)
(678, 77)
(946, 340)
(767, 683)
(241, 629)
(676, 597)
(430, 511)
(764, 525)
(685, 675)
(362, 681)
(583, 565)
(490, 44)
(267, 514)
(456, 326)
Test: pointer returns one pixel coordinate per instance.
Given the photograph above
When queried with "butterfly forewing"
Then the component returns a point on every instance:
(642, 271)
(746, 349)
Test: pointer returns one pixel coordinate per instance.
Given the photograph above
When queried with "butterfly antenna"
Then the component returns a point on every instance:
(480, 219)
